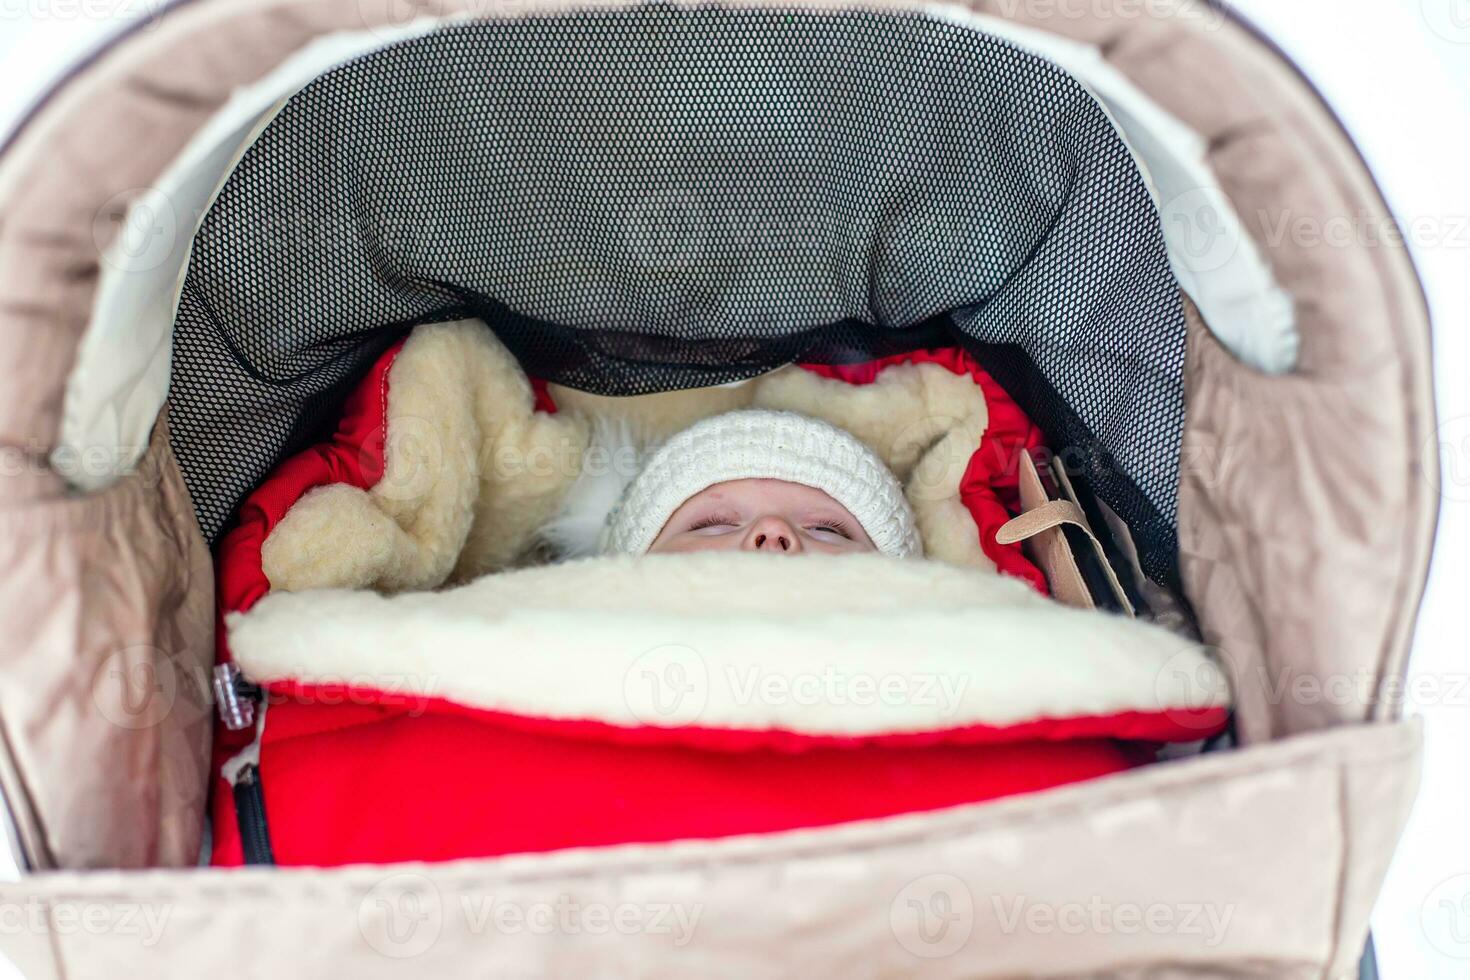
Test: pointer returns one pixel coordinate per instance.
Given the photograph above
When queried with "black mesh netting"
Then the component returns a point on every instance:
(658, 198)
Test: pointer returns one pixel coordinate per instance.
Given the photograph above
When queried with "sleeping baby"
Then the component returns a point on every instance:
(771, 482)
(475, 478)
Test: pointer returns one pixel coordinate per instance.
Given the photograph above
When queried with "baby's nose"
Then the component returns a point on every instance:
(774, 535)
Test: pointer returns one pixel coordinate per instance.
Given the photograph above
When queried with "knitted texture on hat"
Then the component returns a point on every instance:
(768, 445)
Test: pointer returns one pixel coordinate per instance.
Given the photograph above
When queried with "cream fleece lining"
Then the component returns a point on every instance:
(472, 471)
(817, 644)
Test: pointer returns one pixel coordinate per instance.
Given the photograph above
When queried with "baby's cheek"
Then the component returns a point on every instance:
(683, 543)
(821, 547)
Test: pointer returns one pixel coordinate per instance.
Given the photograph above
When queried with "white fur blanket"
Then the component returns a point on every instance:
(853, 645)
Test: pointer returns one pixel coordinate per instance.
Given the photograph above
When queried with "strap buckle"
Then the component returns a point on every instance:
(234, 697)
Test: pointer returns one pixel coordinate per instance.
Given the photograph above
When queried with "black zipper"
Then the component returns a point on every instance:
(255, 838)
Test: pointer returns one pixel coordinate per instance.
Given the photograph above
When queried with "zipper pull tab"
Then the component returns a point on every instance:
(234, 697)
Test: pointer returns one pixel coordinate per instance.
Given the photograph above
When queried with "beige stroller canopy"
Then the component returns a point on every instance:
(214, 226)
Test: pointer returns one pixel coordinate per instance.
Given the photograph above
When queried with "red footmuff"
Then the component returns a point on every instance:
(617, 700)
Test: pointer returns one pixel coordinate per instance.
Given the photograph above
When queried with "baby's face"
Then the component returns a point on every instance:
(769, 516)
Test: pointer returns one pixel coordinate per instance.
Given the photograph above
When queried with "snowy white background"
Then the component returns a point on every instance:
(1398, 74)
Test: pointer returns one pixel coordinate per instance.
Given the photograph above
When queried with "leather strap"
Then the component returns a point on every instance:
(1049, 515)
(1052, 514)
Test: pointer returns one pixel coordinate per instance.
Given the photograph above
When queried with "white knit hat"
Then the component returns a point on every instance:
(757, 444)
